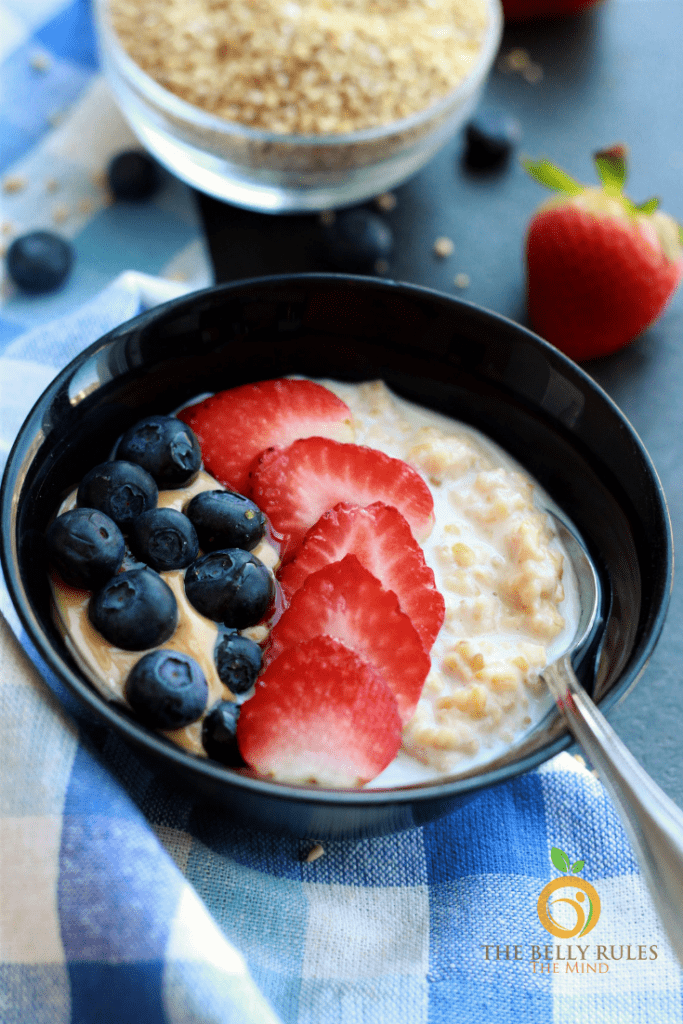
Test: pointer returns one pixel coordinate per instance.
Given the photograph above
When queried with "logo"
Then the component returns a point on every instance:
(584, 902)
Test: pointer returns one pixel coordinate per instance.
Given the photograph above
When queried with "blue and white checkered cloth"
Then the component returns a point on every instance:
(121, 902)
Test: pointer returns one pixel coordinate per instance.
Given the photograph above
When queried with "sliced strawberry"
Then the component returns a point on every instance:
(235, 426)
(294, 486)
(345, 601)
(380, 538)
(320, 714)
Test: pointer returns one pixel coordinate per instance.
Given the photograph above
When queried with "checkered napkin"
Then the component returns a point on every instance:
(122, 902)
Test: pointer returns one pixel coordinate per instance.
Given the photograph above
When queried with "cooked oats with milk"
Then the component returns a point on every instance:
(511, 600)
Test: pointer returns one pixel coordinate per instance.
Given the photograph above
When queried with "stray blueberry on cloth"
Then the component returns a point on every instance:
(85, 546)
(224, 519)
(164, 539)
(489, 140)
(219, 734)
(231, 587)
(133, 175)
(166, 447)
(39, 261)
(120, 489)
(167, 689)
(135, 610)
(356, 239)
(238, 661)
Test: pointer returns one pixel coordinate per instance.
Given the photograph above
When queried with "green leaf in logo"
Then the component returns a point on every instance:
(560, 859)
(578, 866)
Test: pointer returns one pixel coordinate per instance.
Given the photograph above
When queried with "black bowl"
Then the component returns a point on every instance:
(432, 349)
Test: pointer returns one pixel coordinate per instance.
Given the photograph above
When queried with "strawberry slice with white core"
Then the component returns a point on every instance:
(294, 486)
(320, 714)
(381, 539)
(345, 601)
(235, 426)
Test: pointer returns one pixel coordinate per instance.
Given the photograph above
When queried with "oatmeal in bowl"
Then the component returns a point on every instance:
(406, 585)
(454, 559)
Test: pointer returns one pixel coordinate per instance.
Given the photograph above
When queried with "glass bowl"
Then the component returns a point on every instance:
(437, 351)
(281, 173)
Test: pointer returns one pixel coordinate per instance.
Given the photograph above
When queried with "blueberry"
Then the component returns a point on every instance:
(135, 610)
(238, 661)
(219, 738)
(133, 175)
(356, 239)
(164, 539)
(39, 261)
(224, 519)
(166, 447)
(489, 139)
(85, 546)
(167, 689)
(120, 489)
(231, 587)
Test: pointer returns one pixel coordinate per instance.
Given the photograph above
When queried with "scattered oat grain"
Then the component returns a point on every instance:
(386, 202)
(381, 267)
(51, 185)
(517, 59)
(327, 217)
(443, 247)
(314, 854)
(60, 214)
(7, 227)
(41, 62)
(461, 280)
(100, 179)
(13, 183)
(532, 73)
(85, 206)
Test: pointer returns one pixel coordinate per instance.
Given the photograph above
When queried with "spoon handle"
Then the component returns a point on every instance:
(653, 822)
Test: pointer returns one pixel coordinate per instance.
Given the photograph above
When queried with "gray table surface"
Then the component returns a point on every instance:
(614, 74)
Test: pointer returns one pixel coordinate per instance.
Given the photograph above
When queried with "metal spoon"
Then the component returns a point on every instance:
(653, 822)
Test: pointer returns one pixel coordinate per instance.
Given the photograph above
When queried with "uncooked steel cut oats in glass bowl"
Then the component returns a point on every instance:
(284, 107)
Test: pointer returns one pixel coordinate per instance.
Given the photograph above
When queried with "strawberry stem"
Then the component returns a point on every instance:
(611, 167)
(647, 207)
(552, 177)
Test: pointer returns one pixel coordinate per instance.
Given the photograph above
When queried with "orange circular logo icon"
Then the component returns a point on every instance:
(585, 904)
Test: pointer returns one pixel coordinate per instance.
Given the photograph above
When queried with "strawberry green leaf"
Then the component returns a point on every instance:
(559, 859)
(647, 207)
(577, 866)
(611, 167)
(552, 177)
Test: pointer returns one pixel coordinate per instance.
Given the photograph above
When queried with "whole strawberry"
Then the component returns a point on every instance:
(600, 269)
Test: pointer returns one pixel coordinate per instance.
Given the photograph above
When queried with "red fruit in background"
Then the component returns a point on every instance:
(345, 601)
(235, 426)
(600, 269)
(294, 486)
(526, 10)
(320, 713)
(381, 539)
